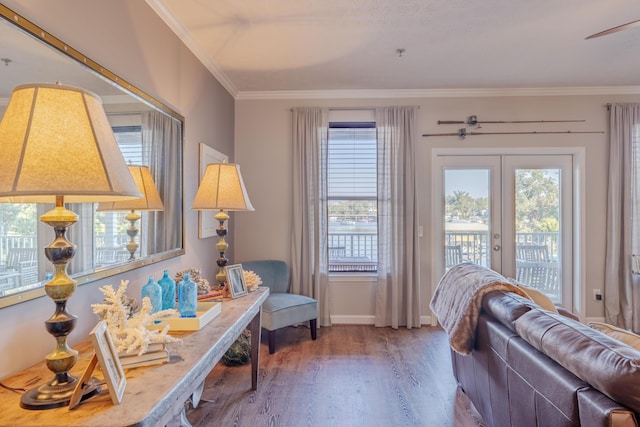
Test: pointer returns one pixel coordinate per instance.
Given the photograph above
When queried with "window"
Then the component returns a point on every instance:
(129, 140)
(352, 197)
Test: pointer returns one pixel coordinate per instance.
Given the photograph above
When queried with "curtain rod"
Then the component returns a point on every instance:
(343, 108)
(462, 133)
(362, 108)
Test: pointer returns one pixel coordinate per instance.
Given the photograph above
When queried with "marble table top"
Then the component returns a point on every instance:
(153, 394)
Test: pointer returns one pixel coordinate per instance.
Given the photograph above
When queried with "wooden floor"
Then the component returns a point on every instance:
(351, 376)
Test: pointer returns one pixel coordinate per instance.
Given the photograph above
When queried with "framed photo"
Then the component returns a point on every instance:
(109, 361)
(206, 222)
(235, 278)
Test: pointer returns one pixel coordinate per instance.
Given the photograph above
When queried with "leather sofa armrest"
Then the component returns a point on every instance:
(597, 410)
(604, 363)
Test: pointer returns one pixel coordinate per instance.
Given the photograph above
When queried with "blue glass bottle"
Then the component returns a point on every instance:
(168, 286)
(187, 296)
(154, 292)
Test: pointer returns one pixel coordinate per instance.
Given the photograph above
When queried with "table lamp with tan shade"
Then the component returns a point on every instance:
(150, 201)
(222, 189)
(57, 146)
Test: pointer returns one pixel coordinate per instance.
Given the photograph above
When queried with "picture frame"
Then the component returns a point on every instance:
(207, 224)
(235, 279)
(109, 361)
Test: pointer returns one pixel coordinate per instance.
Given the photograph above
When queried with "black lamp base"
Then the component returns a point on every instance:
(49, 396)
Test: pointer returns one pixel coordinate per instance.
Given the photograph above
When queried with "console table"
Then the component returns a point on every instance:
(154, 395)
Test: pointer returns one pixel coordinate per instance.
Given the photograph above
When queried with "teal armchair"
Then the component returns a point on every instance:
(282, 308)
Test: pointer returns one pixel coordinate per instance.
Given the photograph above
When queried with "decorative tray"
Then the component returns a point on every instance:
(205, 313)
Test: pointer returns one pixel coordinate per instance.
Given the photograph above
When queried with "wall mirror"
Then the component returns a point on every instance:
(148, 132)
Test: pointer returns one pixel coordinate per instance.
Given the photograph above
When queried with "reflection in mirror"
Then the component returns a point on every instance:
(148, 133)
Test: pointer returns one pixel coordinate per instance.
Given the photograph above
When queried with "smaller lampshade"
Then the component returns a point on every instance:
(56, 140)
(222, 188)
(150, 200)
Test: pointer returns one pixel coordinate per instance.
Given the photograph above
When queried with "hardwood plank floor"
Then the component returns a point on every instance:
(350, 376)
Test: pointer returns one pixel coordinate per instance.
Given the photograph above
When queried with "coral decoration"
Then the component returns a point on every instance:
(203, 284)
(129, 333)
(252, 280)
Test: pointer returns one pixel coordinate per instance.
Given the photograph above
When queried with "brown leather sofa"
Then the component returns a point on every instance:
(531, 367)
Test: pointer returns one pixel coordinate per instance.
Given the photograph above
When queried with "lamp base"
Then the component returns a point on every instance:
(52, 395)
(132, 232)
(221, 246)
(58, 391)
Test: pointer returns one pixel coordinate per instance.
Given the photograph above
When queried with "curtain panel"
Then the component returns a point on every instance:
(398, 287)
(161, 141)
(309, 255)
(80, 234)
(623, 217)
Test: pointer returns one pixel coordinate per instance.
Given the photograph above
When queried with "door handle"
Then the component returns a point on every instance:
(496, 248)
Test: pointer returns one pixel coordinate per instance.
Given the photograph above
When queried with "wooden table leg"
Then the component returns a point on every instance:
(254, 327)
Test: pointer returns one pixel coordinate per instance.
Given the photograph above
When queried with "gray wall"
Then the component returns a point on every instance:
(128, 38)
(265, 145)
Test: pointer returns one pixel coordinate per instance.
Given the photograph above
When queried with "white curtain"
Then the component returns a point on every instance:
(161, 142)
(81, 235)
(623, 217)
(398, 287)
(309, 263)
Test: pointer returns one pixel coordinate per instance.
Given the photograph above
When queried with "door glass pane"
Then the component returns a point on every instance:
(466, 217)
(537, 227)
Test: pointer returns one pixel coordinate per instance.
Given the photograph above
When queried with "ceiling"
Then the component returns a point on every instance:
(266, 48)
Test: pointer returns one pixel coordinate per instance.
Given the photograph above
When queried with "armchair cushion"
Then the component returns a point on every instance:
(280, 310)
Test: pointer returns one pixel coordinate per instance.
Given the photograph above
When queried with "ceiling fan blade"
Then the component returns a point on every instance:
(615, 29)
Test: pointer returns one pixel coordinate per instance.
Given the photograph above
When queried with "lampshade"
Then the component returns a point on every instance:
(150, 200)
(222, 188)
(56, 140)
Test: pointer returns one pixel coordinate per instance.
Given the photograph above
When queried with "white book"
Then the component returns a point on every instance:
(154, 358)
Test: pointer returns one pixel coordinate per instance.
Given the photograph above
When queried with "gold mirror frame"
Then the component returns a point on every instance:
(28, 27)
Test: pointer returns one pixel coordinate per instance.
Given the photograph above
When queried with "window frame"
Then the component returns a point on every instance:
(345, 266)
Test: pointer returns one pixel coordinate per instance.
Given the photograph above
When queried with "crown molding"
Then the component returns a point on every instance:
(437, 93)
(164, 14)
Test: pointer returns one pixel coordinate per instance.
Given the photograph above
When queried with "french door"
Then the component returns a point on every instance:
(511, 213)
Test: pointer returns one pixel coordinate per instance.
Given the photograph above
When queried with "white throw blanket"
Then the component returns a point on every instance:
(458, 300)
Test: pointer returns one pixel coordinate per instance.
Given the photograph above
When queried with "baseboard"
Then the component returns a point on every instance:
(352, 320)
(366, 320)
(425, 320)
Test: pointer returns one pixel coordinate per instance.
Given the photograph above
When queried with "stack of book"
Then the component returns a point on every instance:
(156, 354)
(211, 296)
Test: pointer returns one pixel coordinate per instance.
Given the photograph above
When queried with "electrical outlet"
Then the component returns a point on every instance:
(597, 295)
